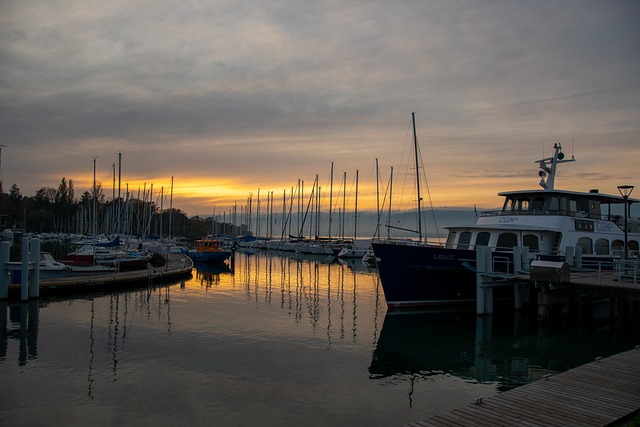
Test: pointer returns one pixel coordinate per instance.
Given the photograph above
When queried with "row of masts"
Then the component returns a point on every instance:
(308, 219)
(126, 214)
(299, 218)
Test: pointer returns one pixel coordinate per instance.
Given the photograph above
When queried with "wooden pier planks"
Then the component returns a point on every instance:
(178, 265)
(595, 394)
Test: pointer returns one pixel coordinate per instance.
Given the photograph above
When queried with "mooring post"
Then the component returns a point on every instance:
(5, 248)
(517, 296)
(34, 267)
(569, 255)
(24, 287)
(578, 255)
(517, 260)
(483, 294)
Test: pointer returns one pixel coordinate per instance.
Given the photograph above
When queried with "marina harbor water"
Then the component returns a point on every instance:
(273, 339)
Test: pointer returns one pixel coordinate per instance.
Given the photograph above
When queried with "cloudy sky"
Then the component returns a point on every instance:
(229, 97)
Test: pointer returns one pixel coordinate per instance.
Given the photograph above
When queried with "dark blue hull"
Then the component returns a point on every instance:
(414, 276)
(210, 257)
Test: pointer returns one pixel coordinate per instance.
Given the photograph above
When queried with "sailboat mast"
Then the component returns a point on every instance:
(171, 211)
(95, 204)
(118, 225)
(355, 218)
(390, 199)
(330, 200)
(415, 146)
(377, 233)
(344, 203)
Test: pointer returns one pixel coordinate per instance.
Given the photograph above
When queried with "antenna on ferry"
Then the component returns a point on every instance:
(548, 166)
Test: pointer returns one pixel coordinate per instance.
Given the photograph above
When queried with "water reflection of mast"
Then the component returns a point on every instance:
(290, 262)
(113, 337)
(269, 277)
(355, 305)
(376, 312)
(167, 302)
(299, 284)
(341, 296)
(283, 262)
(256, 279)
(314, 299)
(91, 342)
(329, 308)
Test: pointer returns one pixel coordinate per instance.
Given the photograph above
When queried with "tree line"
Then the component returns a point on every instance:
(59, 210)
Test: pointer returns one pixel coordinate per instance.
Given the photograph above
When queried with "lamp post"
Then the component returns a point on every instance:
(625, 191)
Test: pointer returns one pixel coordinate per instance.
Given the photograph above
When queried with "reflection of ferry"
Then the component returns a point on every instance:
(544, 223)
(428, 343)
(460, 344)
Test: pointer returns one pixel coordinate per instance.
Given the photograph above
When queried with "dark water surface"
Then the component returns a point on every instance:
(274, 341)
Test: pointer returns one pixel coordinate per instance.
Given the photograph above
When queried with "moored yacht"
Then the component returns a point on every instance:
(549, 223)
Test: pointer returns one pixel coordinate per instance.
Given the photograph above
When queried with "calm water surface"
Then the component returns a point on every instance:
(274, 340)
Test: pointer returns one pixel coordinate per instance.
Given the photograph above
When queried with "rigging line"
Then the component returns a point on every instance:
(433, 213)
(403, 209)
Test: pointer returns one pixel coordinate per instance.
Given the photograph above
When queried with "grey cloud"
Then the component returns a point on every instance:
(302, 80)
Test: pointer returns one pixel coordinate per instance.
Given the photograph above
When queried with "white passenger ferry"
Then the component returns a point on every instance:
(590, 226)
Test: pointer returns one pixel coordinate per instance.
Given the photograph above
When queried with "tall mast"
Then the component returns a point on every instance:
(415, 146)
(377, 233)
(390, 199)
(95, 205)
(355, 219)
(161, 209)
(330, 200)
(119, 192)
(171, 210)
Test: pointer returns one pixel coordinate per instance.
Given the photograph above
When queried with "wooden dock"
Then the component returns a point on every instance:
(177, 266)
(600, 393)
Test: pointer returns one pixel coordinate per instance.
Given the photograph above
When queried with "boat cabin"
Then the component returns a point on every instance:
(548, 221)
(208, 245)
(592, 205)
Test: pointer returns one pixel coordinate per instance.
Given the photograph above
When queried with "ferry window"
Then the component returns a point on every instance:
(531, 241)
(538, 203)
(602, 247)
(617, 247)
(464, 240)
(583, 205)
(507, 240)
(483, 238)
(573, 206)
(450, 239)
(586, 244)
(632, 246)
(523, 204)
(553, 204)
(564, 204)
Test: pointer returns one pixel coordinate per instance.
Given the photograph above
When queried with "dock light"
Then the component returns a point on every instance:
(625, 192)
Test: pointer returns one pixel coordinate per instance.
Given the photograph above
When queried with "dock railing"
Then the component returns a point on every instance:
(619, 270)
(627, 269)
